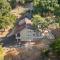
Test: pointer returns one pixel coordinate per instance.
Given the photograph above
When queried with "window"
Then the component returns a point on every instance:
(30, 31)
(33, 34)
(18, 34)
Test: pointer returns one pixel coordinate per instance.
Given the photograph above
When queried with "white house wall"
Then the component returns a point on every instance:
(26, 34)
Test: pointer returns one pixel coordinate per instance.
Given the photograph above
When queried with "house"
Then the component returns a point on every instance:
(25, 31)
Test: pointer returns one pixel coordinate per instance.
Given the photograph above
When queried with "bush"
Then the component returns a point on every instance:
(56, 46)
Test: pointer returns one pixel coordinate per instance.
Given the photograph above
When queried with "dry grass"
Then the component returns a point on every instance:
(18, 11)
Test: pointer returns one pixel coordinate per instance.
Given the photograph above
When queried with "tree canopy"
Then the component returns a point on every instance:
(39, 21)
(6, 18)
(45, 5)
(56, 46)
(13, 3)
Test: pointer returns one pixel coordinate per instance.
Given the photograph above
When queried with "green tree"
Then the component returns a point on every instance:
(22, 1)
(45, 5)
(59, 1)
(25, 1)
(12, 3)
(4, 7)
(6, 18)
(56, 46)
(39, 21)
